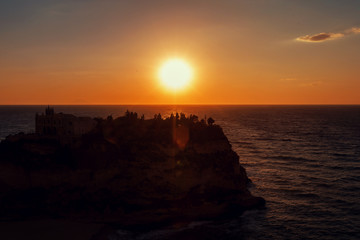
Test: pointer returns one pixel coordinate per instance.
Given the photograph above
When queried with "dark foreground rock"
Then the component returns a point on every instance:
(128, 171)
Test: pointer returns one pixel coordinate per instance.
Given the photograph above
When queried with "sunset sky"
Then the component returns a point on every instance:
(241, 52)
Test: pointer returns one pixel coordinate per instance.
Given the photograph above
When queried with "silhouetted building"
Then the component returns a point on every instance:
(61, 124)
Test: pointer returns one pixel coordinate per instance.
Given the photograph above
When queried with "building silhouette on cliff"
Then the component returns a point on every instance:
(61, 124)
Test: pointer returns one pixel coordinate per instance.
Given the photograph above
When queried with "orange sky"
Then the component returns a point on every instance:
(242, 52)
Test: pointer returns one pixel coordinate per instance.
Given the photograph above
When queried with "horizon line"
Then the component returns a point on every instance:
(193, 104)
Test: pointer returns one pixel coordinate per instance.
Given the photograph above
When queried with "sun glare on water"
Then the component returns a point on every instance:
(175, 74)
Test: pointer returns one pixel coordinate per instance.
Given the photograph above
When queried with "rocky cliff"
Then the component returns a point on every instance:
(128, 170)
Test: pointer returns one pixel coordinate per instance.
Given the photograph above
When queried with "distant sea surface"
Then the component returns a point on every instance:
(304, 160)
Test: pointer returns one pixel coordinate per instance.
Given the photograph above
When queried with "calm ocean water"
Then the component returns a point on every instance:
(304, 160)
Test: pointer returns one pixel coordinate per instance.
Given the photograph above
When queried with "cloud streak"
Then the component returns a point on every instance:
(288, 79)
(321, 37)
(354, 30)
(312, 84)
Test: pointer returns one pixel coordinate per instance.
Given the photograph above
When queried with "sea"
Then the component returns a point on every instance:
(304, 160)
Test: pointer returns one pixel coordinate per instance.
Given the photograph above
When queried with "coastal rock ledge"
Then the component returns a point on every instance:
(126, 170)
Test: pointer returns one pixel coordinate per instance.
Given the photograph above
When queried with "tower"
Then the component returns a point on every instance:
(49, 111)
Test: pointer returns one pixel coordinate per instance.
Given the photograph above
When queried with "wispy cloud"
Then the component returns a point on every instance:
(324, 36)
(320, 37)
(354, 30)
(312, 84)
(288, 79)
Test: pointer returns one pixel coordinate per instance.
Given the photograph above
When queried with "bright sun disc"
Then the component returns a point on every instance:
(175, 74)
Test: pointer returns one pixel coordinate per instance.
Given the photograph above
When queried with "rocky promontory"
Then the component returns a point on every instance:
(126, 170)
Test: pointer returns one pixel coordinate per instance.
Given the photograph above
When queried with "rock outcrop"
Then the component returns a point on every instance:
(127, 170)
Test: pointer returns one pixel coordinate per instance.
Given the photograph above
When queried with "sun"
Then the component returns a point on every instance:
(175, 74)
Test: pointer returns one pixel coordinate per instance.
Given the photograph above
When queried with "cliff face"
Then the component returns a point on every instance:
(127, 170)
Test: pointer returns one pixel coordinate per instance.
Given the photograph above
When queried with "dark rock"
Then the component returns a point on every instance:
(131, 171)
